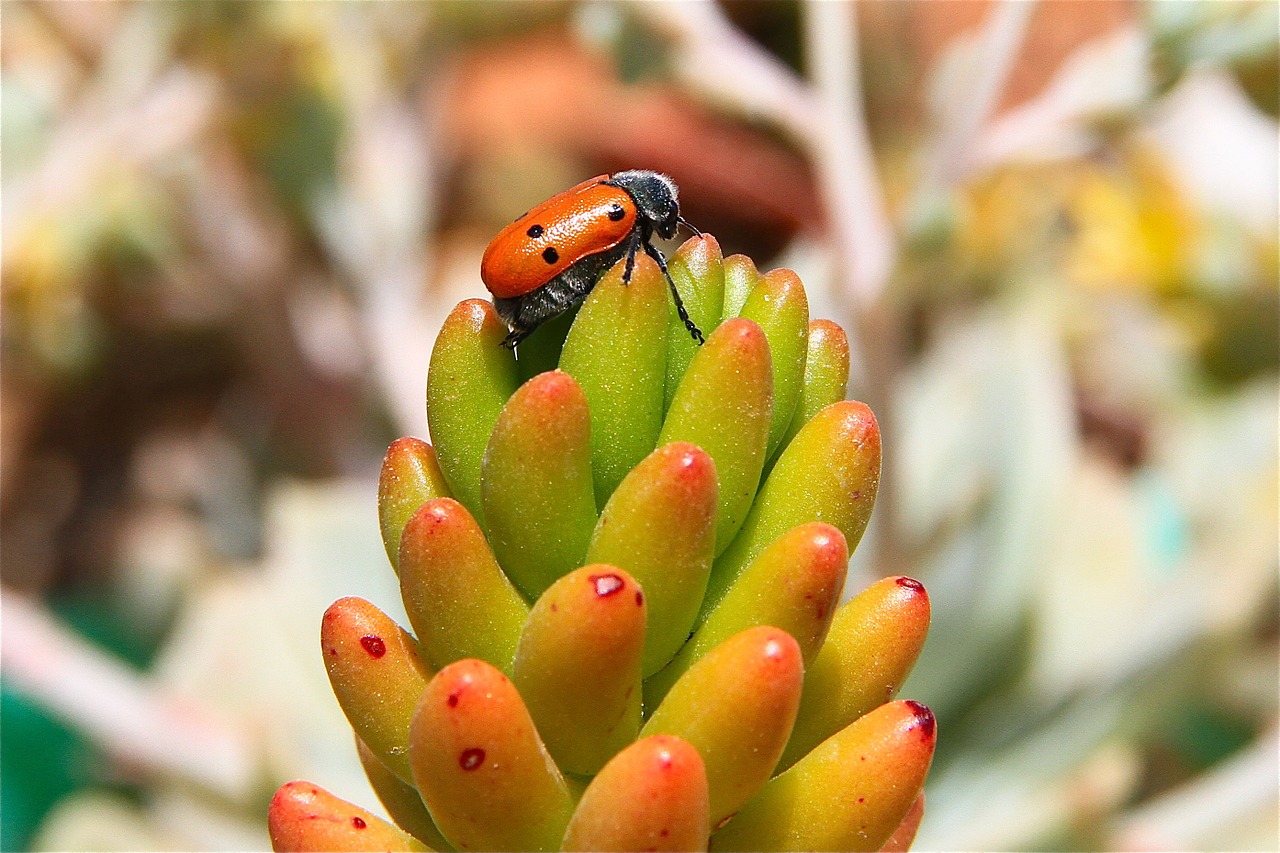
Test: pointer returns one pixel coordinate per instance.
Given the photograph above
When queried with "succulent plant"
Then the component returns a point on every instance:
(623, 576)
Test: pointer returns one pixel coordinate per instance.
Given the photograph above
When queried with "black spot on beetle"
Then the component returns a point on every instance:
(535, 231)
(550, 255)
(616, 213)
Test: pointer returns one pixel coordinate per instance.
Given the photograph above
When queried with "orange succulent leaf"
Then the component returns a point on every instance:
(650, 796)
(305, 818)
(578, 665)
(850, 793)
(480, 766)
(377, 673)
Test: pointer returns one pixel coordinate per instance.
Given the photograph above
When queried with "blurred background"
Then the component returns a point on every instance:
(230, 231)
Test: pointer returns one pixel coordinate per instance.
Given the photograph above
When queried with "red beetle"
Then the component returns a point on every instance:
(548, 260)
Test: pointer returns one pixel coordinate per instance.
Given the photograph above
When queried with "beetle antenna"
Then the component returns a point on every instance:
(687, 224)
(652, 251)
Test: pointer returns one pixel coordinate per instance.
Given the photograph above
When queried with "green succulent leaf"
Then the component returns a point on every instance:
(829, 472)
(779, 305)
(736, 706)
(541, 351)
(578, 666)
(539, 498)
(469, 380)
(850, 793)
(400, 799)
(660, 526)
(826, 374)
(723, 405)
(617, 352)
(873, 643)
(410, 477)
(740, 277)
(697, 268)
(795, 585)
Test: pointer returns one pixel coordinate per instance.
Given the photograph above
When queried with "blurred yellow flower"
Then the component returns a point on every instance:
(1106, 224)
(1133, 228)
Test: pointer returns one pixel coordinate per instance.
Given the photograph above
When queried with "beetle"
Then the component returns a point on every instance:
(548, 260)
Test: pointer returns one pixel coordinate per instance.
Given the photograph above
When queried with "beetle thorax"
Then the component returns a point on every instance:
(655, 196)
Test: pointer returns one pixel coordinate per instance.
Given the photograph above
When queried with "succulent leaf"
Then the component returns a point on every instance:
(660, 526)
(469, 380)
(723, 406)
(697, 268)
(578, 665)
(684, 645)
(779, 305)
(400, 799)
(850, 793)
(456, 596)
(410, 477)
(900, 841)
(795, 585)
(305, 818)
(826, 374)
(481, 768)
(736, 706)
(740, 277)
(650, 796)
(873, 643)
(611, 352)
(829, 472)
(377, 673)
(539, 498)
(541, 351)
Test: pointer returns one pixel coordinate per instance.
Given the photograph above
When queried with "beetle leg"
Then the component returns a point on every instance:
(652, 251)
(514, 337)
(631, 257)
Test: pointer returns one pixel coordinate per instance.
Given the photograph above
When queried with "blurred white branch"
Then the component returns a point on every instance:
(385, 200)
(1110, 75)
(168, 116)
(825, 117)
(1234, 800)
(120, 709)
(841, 147)
(718, 60)
(973, 91)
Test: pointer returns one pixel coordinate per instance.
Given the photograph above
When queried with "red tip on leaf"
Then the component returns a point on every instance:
(924, 719)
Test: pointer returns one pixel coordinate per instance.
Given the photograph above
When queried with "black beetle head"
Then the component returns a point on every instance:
(655, 196)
